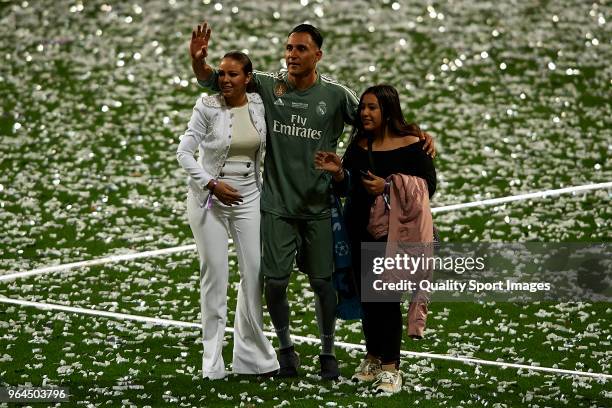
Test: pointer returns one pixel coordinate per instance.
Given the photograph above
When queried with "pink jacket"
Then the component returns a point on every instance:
(408, 220)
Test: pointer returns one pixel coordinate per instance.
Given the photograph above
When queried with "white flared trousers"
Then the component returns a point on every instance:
(253, 353)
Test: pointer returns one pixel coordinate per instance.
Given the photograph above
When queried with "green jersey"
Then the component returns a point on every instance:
(299, 124)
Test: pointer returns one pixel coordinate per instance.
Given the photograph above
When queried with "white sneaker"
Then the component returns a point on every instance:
(367, 370)
(388, 381)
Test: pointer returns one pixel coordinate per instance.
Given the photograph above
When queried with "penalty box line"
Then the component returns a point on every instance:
(303, 339)
(165, 251)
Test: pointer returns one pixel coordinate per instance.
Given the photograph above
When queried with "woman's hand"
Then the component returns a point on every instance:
(331, 163)
(227, 194)
(373, 184)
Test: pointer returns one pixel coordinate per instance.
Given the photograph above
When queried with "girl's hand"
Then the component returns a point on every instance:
(329, 162)
(373, 184)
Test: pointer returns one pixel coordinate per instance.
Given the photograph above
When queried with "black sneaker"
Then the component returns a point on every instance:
(329, 367)
(289, 361)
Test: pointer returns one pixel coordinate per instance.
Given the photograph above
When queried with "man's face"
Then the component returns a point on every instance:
(301, 54)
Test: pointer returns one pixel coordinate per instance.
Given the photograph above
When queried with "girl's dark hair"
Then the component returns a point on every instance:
(247, 66)
(391, 114)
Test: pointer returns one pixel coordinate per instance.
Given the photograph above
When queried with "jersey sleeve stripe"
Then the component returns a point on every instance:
(263, 73)
(334, 82)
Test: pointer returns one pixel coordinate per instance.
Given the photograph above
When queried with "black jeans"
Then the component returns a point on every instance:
(382, 321)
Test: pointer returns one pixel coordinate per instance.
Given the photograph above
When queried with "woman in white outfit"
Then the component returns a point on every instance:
(228, 130)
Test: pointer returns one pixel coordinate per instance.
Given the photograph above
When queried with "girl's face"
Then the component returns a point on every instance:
(371, 115)
(232, 79)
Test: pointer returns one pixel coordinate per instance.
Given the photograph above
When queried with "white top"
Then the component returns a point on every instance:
(245, 139)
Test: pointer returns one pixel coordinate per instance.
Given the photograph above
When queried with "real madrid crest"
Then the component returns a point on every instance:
(280, 88)
(322, 108)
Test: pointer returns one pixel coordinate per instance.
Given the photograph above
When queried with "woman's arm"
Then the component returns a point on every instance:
(190, 141)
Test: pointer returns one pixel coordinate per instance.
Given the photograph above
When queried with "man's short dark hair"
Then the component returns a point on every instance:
(314, 32)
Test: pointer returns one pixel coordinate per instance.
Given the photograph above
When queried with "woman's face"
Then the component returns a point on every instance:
(371, 115)
(232, 79)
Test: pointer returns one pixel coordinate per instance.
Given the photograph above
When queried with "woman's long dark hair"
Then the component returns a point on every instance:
(247, 66)
(391, 114)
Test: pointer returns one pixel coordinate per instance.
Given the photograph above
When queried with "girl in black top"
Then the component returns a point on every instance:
(382, 144)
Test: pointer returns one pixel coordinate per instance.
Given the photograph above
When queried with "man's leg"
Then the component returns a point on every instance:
(316, 254)
(278, 237)
(278, 307)
(325, 306)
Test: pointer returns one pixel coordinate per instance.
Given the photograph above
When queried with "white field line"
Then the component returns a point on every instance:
(99, 261)
(526, 196)
(165, 251)
(350, 346)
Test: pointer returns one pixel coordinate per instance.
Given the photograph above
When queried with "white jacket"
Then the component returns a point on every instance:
(210, 131)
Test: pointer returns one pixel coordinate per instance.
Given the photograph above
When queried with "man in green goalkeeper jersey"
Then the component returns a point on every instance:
(305, 113)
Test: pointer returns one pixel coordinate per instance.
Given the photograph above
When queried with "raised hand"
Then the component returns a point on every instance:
(198, 47)
(328, 161)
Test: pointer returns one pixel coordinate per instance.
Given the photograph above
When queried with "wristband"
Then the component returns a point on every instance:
(211, 189)
(214, 184)
(387, 187)
(210, 195)
(386, 196)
